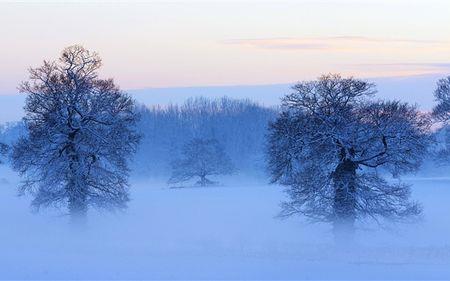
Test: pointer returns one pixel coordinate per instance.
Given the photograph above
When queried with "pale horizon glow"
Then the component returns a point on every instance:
(193, 43)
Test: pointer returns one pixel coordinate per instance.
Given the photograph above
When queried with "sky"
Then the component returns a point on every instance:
(207, 43)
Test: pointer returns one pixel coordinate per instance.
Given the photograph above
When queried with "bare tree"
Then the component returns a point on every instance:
(441, 113)
(442, 95)
(201, 158)
(331, 143)
(80, 136)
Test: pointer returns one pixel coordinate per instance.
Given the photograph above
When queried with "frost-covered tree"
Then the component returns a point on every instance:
(80, 135)
(441, 112)
(330, 145)
(201, 158)
(442, 95)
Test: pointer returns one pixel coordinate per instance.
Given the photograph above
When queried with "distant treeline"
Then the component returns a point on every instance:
(239, 125)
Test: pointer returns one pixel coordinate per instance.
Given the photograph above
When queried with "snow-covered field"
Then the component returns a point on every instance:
(226, 232)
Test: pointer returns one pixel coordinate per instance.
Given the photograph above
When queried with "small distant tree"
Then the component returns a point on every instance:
(330, 145)
(201, 158)
(80, 136)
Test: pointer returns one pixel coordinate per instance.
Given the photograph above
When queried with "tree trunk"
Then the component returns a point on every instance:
(77, 196)
(344, 178)
(78, 209)
(204, 181)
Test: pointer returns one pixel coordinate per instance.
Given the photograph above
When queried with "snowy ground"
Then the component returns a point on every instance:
(227, 232)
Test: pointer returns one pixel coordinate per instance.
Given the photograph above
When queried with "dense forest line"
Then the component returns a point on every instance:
(240, 125)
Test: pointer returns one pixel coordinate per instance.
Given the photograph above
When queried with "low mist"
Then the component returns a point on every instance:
(223, 232)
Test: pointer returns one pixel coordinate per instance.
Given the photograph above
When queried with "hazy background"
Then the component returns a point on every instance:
(413, 89)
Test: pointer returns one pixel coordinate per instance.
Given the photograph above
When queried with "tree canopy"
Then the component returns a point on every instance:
(330, 145)
(80, 135)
